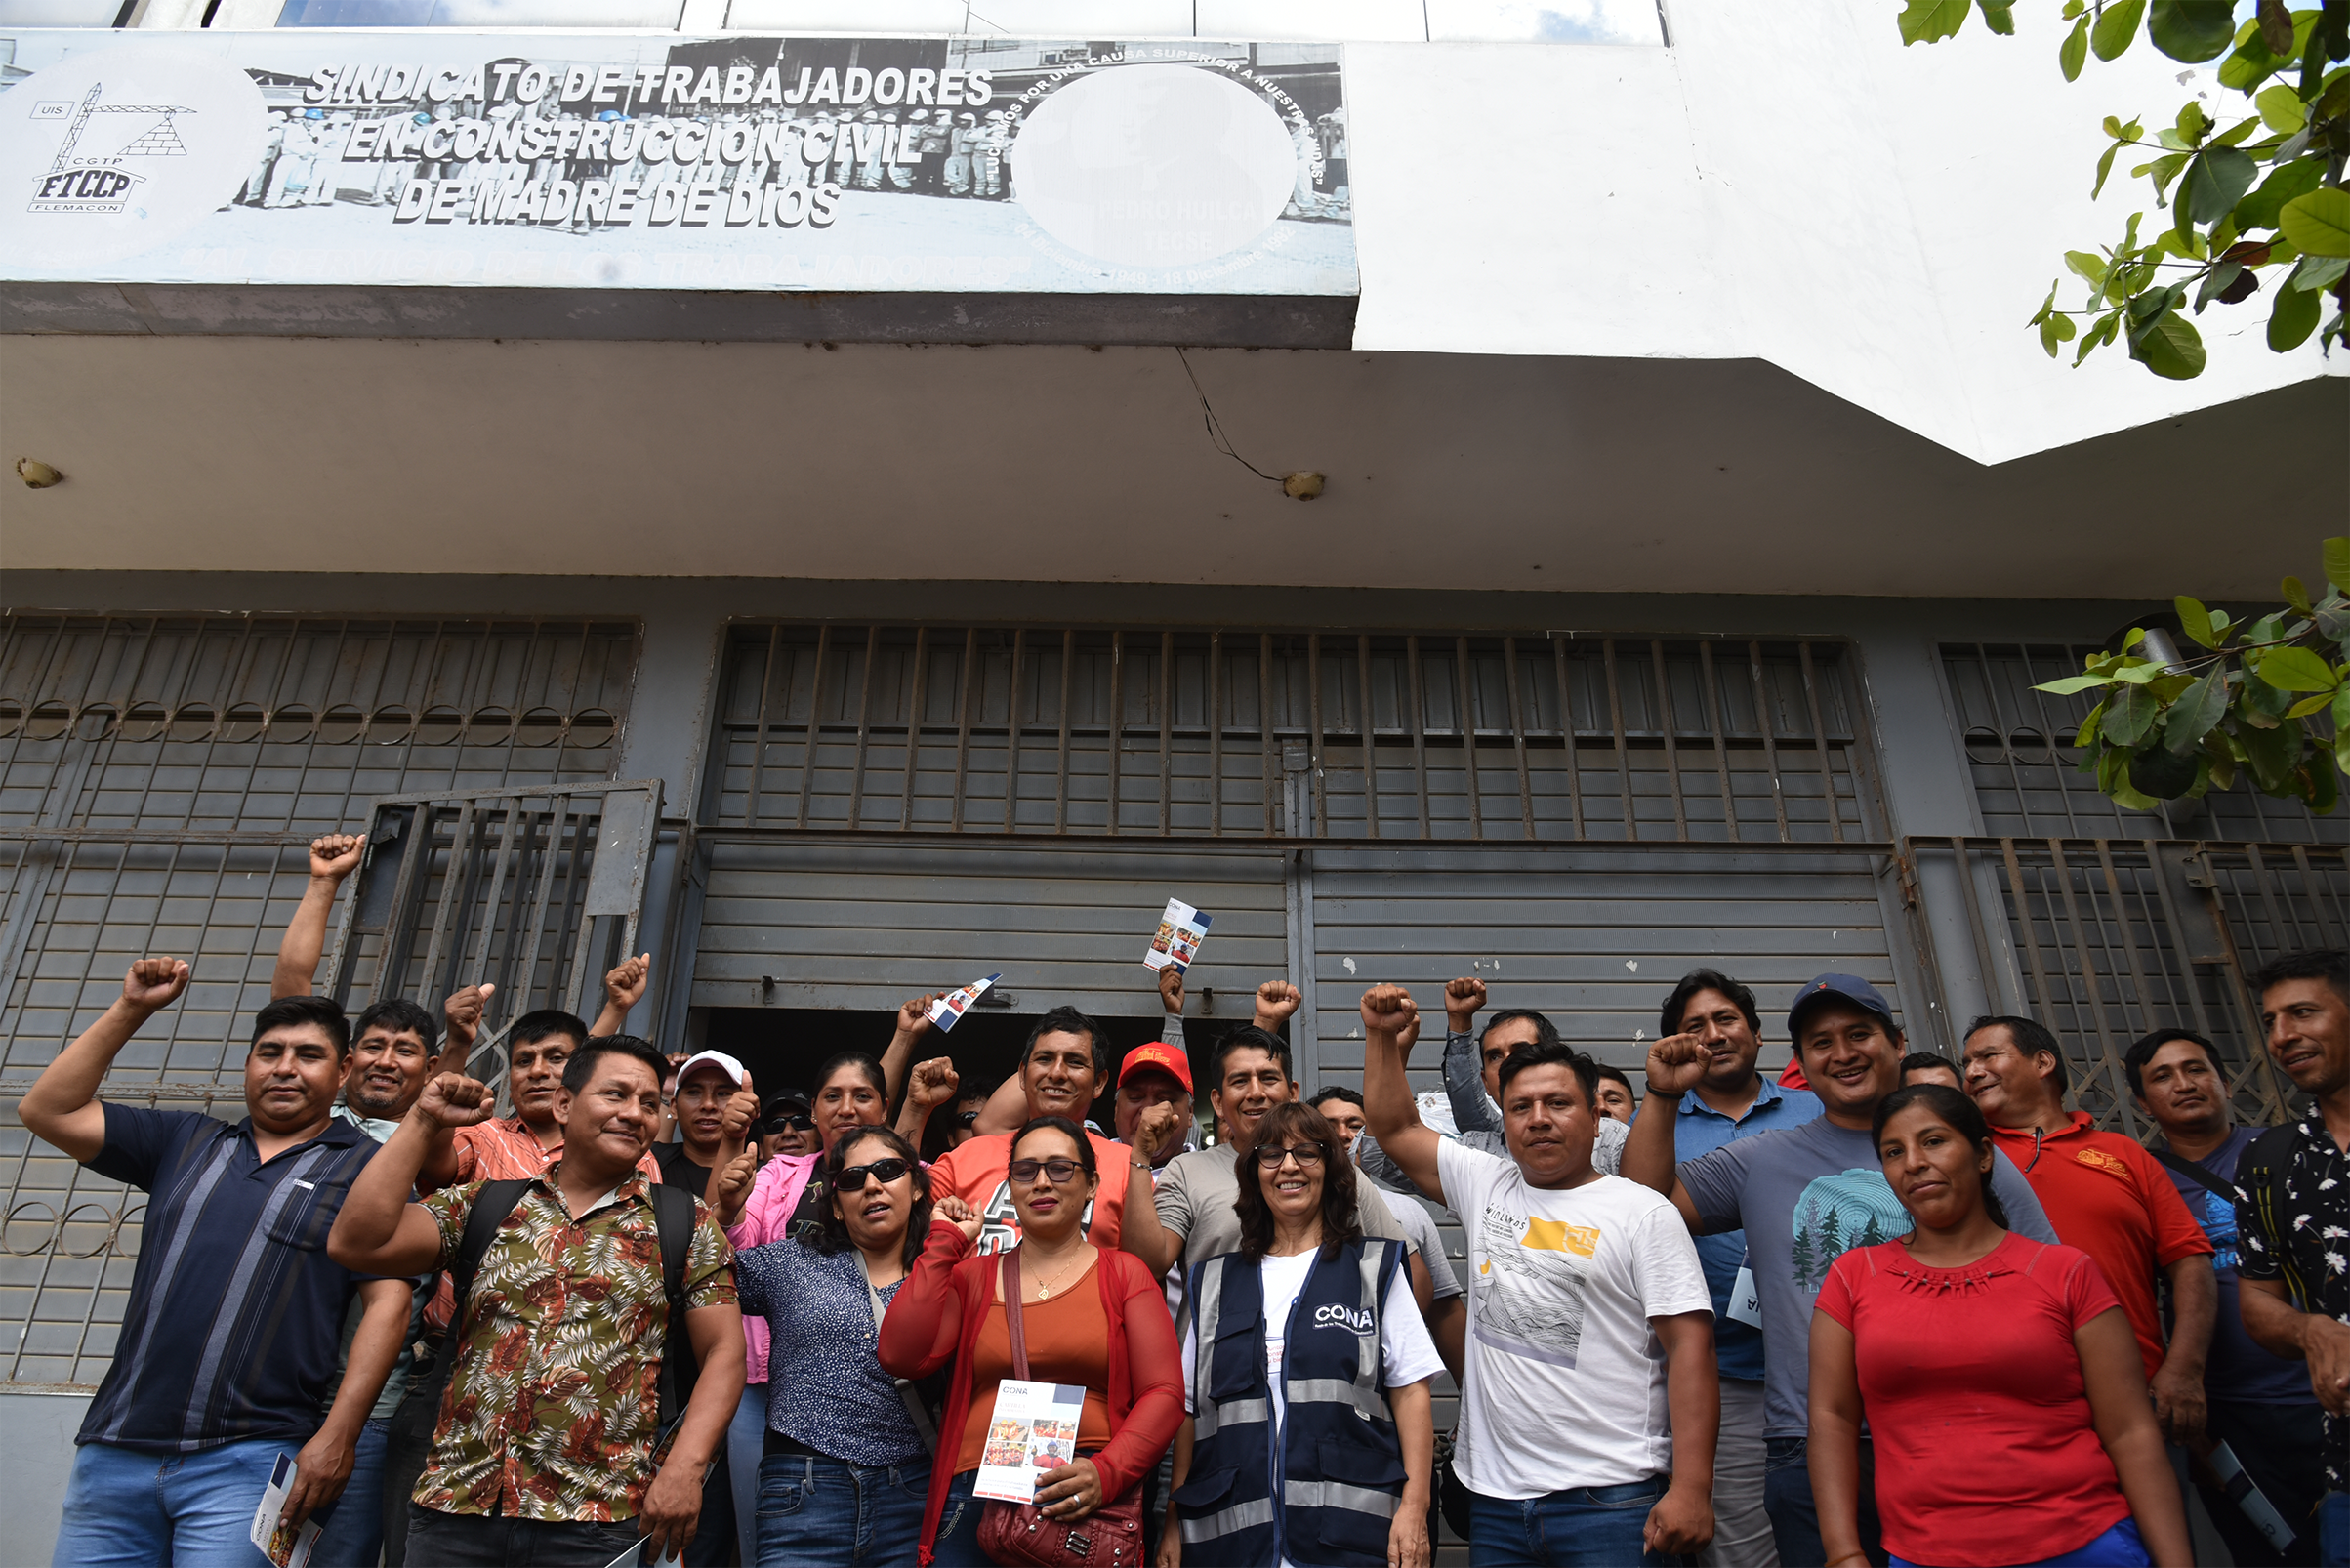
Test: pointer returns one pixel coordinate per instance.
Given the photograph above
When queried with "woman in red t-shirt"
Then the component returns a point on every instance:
(1998, 1379)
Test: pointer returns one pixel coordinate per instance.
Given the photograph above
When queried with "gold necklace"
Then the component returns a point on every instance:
(1045, 1288)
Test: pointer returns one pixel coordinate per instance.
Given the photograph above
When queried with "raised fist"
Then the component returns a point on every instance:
(336, 856)
(913, 1015)
(742, 1109)
(463, 1012)
(933, 1082)
(1462, 998)
(453, 1100)
(625, 984)
(1170, 990)
(1388, 1010)
(154, 982)
(1676, 1063)
(730, 1187)
(1276, 1000)
(1160, 1125)
(962, 1216)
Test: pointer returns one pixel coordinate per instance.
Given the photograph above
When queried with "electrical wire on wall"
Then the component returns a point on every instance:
(1304, 486)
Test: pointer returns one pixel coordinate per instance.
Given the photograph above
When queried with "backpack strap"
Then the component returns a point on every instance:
(491, 1205)
(674, 1211)
(2202, 1176)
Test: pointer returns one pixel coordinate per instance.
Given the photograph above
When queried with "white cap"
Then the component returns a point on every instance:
(713, 1059)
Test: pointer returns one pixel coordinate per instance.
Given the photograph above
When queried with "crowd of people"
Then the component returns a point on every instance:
(1885, 1307)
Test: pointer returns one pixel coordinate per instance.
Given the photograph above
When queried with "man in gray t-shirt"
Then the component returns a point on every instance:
(1198, 1193)
(1804, 1196)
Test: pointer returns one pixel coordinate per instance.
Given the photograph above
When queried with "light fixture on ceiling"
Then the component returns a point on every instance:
(37, 474)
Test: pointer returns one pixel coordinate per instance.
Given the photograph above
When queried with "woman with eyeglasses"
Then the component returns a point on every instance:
(847, 1460)
(1090, 1317)
(1963, 1338)
(1308, 1436)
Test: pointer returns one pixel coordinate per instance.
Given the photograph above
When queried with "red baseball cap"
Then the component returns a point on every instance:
(1162, 1055)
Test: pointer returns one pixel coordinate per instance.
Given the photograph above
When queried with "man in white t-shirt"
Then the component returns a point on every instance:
(1591, 1402)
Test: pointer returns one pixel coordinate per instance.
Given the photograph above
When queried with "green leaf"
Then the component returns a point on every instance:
(2290, 320)
(2216, 283)
(2192, 30)
(1925, 22)
(2000, 17)
(2055, 330)
(2285, 182)
(2214, 182)
(2293, 592)
(2073, 52)
(2169, 347)
(2104, 332)
(2086, 735)
(2220, 760)
(2129, 713)
(2317, 274)
(2275, 25)
(2297, 669)
(2116, 27)
(2319, 222)
(2341, 749)
(2323, 787)
(2336, 556)
(2086, 266)
(2074, 682)
(2309, 705)
(2271, 753)
(2196, 621)
(2282, 110)
(2197, 710)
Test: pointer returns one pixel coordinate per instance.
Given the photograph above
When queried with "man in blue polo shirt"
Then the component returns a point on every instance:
(234, 1331)
(1731, 1102)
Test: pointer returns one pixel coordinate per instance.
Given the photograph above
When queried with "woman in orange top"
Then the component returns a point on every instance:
(1110, 1334)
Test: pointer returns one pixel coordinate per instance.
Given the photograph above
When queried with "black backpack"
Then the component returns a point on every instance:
(673, 1212)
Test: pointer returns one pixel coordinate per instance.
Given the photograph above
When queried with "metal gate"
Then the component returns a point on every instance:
(536, 891)
(159, 780)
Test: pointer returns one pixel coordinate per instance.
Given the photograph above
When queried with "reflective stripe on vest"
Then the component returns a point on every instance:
(1342, 1462)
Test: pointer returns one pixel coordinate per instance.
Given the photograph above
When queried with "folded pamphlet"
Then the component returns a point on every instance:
(282, 1544)
(1032, 1430)
(948, 1010)
(1177, 941)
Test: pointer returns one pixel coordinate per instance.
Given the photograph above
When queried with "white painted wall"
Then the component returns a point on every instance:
(1786, 181)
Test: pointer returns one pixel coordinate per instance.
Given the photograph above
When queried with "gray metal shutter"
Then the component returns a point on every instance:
(817, 923)
(1593, 938)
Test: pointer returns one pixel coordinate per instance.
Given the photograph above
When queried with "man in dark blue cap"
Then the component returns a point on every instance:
(1803, 1195)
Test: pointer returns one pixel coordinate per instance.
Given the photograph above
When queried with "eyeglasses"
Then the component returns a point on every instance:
(790, 1124)
(1055, 1171)
(1307, 1154)
(967, 1119)
(852, 1179)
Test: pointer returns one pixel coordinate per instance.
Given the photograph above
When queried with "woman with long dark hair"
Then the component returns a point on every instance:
(1108, 1334)
(847, 1465)
(1307, 1439)
(1962, 1340)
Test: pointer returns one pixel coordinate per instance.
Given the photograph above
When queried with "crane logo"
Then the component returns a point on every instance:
(95, 169)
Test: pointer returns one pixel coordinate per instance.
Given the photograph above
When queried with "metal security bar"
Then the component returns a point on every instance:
(2112, 939)
(537, 893)
(160, 776)
(1227, 733)
(2026, 778)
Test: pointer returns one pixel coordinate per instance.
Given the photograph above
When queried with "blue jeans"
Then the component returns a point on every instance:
(746, 1435)
(2118, 1548)
(191, 1511)
(1586, 1527)
(820, 1510)
(1796, 1518)
(2333, 1530)
(350, 1529)
(957, 1544)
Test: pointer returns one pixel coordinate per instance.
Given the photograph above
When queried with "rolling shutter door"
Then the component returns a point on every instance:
(816, 924)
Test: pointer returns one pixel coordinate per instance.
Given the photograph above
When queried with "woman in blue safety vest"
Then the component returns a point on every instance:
(1308, 1438)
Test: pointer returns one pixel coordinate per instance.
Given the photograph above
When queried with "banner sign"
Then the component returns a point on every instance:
(654, 161)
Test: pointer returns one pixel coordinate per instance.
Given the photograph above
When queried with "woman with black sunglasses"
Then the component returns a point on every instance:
(1090, 1317)
(1307, 1366)
(847, 1460)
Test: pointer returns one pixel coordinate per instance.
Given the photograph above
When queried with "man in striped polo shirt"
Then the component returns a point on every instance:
(234, 1331)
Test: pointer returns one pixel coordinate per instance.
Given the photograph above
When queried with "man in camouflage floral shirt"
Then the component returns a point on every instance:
(2296, 1261)
(546, 1446)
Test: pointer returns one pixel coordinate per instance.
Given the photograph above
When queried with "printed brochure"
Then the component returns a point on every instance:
(1177, 943)
(1034, 1429)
